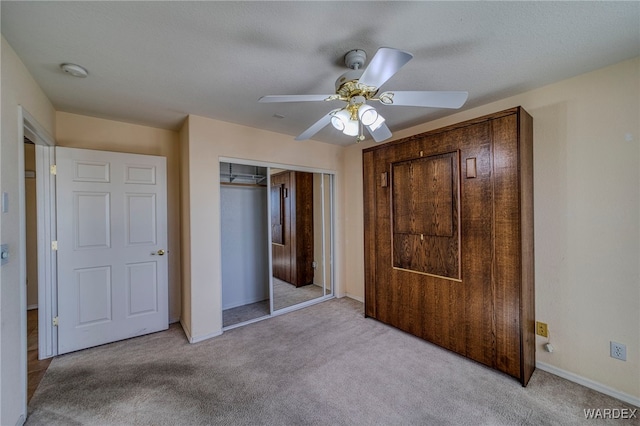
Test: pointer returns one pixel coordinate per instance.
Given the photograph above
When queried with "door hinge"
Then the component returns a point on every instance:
(54, 245)
(53, 169)
(55, 321)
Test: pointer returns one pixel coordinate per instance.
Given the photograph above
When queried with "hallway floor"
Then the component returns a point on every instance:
(35, 368)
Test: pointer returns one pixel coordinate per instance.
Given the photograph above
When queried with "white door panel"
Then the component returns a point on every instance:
(112, 223)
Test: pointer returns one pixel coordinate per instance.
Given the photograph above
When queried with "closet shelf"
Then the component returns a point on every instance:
(242, 174)
(241, 178)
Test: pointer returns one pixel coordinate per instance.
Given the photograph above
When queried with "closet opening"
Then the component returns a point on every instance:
(277, 239)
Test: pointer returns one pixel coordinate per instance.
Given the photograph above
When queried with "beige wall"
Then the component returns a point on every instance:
(18, 88)
(208, 140)
(587, 219)
(31, 226)
(79, 131)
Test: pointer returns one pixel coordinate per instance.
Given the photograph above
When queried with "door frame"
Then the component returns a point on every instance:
(46, 231)
(28, 126)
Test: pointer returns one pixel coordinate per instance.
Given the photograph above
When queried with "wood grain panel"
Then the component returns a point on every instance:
(281, 252)
(425, 214)
(476, 224)
(507, 243)
(423, 196)
(487, 312)
(302, 225)
(277, 217)
(369, 204)
(293, 258)
(527, 280)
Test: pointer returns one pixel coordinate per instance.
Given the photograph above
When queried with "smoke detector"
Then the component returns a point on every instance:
(74, 70)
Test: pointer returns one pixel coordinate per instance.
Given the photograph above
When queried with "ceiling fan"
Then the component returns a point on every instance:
(357, 86)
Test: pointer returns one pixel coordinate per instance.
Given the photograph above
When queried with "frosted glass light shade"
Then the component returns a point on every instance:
(340, 119)
(367, 114)
(351, 128)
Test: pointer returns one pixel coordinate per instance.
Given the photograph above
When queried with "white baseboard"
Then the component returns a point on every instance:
(205, 337)
(358, 298)
(197, 339)
(625, 397)
(186, 330)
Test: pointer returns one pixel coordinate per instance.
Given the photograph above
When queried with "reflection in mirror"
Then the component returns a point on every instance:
(300, 236)
(294, 211)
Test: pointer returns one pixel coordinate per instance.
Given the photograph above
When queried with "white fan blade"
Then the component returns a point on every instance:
(293, 98)
(385, 63)
(425, 99)
(381, 133)
(315, 128)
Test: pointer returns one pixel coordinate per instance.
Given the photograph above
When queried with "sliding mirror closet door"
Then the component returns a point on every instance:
(277, 239)
(300, 216)
(245, 243)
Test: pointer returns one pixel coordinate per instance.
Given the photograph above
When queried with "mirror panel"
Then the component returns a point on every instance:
(279, 213)
(301, 261)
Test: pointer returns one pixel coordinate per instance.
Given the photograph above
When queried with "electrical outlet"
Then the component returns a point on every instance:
(618, 351)
(541, 329)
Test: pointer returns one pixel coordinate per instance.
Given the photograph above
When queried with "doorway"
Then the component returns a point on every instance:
(37, 225)
(35, 367)
(282, 217)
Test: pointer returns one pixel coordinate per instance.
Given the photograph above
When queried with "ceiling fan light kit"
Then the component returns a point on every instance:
(358, 86)
(340, 118)
(370, 117)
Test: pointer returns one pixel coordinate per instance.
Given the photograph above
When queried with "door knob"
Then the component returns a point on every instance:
(160, 252)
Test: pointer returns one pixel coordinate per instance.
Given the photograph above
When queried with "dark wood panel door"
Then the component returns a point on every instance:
(425, 216)
(444, 239)
(281, 248)
(277, 213)
(292, 227)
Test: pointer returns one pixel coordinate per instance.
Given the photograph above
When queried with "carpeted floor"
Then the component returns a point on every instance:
(323, 365)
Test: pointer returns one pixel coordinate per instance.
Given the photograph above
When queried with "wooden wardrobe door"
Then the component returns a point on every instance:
(424, 207)
(292, 227)
(449, 238)
(281, 251)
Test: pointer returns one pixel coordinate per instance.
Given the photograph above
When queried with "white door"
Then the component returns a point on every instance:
(112, 237)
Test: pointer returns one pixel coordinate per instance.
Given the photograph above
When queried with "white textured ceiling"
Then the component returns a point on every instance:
(153, 63)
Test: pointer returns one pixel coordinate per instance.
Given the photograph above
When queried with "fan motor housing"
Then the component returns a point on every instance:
(348, 86)
(351, 75)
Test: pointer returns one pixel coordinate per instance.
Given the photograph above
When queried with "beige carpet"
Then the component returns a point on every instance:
(323, 365)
